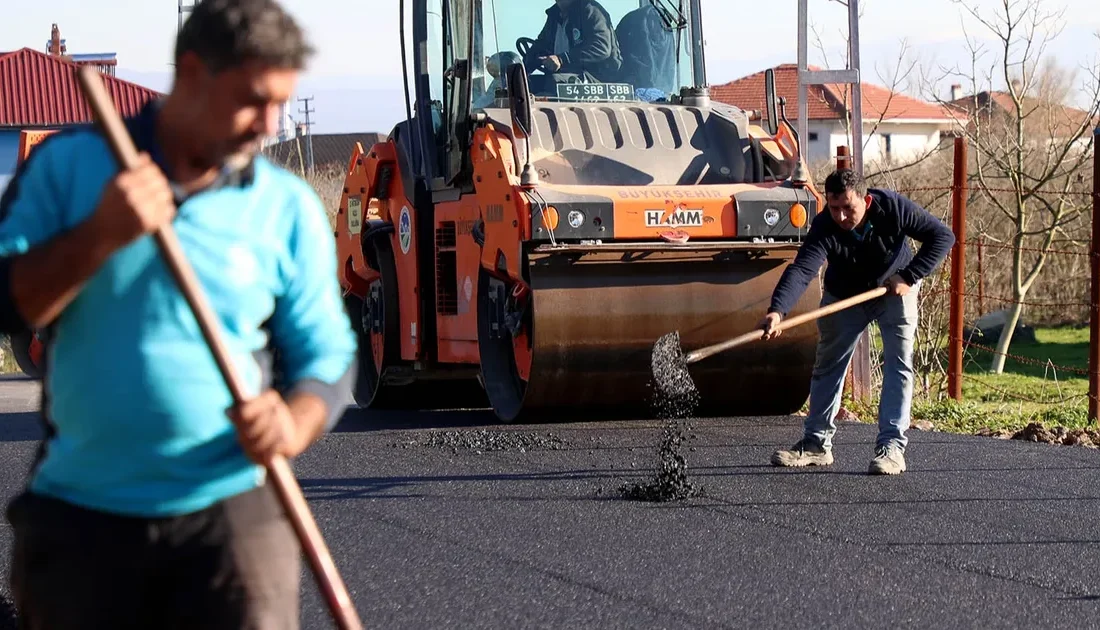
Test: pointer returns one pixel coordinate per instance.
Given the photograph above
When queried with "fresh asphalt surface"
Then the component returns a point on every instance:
(979, 533)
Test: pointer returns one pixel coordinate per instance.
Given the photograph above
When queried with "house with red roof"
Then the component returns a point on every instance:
(896, 128)
(39, 91)
(1045, 120)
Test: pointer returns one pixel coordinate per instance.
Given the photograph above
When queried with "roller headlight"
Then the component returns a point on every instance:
(771, 217)
(576, 218)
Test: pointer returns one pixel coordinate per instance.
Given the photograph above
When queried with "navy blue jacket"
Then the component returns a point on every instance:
(856, 266)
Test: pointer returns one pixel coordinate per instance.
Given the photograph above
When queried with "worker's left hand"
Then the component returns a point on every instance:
(551, 63)
(266, 427)
(896, 286)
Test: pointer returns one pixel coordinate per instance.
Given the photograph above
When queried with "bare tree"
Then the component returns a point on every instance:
(1029, 147)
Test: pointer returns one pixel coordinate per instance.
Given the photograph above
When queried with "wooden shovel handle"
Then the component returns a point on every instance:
(278, 469)
(840, 305)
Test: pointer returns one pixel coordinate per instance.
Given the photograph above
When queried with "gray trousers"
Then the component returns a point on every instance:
(235, 565)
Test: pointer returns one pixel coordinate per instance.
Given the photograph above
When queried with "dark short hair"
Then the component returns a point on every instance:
(842, 180)
(228, 33)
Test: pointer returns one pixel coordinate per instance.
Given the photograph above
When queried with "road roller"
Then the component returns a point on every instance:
(27, 345)
(548, 209)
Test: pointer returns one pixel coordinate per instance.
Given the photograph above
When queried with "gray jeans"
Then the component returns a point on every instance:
(897, 320)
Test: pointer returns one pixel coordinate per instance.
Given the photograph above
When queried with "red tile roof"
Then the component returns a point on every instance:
(825, 102)
(39, 90)
(1041, 116)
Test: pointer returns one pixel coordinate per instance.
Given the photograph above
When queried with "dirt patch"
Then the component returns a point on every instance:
(923, 425)
(1000, 434)
(486, 441)
(1037, 432)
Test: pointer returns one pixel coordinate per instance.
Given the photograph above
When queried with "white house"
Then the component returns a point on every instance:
(896, 127)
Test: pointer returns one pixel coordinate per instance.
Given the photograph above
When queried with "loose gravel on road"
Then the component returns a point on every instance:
(486, 441)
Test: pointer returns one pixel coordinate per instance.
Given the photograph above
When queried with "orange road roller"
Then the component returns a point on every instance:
(532, 227)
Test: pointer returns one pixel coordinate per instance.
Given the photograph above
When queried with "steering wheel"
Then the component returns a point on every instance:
(524, 44)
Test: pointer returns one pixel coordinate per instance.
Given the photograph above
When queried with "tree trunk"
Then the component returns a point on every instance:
(1006, 336)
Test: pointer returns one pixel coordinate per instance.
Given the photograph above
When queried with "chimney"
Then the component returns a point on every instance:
(956, 92)
(56, 45)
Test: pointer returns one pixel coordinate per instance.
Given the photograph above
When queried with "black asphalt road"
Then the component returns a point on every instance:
(979, 533)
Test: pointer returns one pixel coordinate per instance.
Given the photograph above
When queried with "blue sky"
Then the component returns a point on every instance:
(355, 79)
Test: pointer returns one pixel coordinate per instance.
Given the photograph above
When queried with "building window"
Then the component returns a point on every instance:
(889, 146)
(813, 136)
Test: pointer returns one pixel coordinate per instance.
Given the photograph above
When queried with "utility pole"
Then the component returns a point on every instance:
(860, 371)
(309, 133)
(182, 8)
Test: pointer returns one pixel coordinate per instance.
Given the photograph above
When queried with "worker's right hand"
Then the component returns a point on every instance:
(138, 201)
(769, 324)
(551, 64)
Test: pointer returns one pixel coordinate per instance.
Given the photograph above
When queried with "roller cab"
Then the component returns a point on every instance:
(523, 238)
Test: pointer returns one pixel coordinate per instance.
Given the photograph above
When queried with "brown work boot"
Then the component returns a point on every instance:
(804, 453)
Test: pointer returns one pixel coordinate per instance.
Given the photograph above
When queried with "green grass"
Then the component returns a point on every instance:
(1037, 389)
(7, 364)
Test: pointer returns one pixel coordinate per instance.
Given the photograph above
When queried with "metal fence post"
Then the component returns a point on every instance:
(958, 272)
(1094, 302)
(858, 379)
(981, 276)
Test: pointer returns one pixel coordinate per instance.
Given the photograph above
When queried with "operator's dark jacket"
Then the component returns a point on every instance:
(856, 266)
(593, 47)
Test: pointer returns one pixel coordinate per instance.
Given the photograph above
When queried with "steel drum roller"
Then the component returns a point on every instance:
(596, 316)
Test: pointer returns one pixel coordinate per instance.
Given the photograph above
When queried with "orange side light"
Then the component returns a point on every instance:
(798, 215)
(550, 218)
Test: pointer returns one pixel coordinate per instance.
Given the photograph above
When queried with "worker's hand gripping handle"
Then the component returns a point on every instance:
(279, 471)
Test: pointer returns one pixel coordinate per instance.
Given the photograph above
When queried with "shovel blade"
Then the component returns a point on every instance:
(671, 377)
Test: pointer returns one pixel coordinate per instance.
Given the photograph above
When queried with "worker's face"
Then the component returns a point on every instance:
(848, 209)
(234, 110)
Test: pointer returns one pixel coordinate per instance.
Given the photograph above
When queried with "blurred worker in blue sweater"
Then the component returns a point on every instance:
(147, 505)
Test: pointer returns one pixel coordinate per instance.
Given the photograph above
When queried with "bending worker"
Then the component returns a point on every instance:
(147, 505)
(864, 236)
(578, 41)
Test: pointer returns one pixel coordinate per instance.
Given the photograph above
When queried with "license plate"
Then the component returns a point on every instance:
(596, 91)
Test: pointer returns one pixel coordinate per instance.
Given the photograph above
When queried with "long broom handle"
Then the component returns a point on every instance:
(278, 469)
(703, 353)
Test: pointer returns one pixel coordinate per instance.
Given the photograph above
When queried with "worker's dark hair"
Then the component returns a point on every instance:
(842, 180)
(228, 33)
